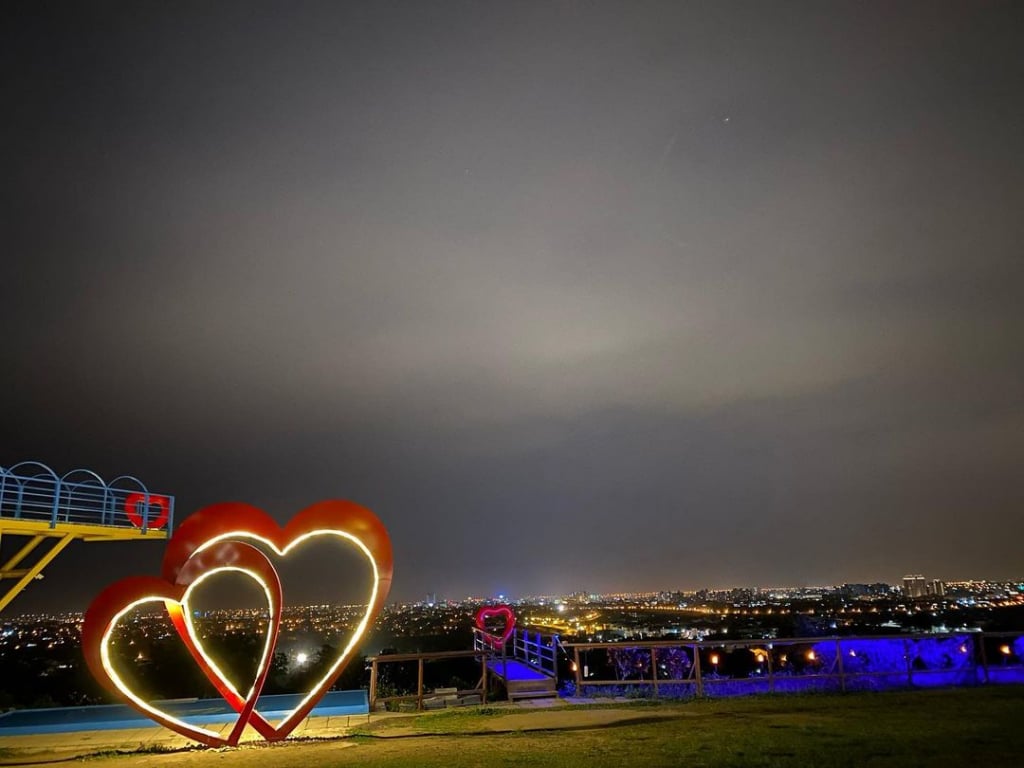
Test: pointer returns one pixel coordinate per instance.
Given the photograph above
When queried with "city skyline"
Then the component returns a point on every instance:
(228, 596)
(625, 295)
(973, 593)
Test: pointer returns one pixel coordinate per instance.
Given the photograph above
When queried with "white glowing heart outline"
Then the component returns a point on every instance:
(126, 690)
(356, 634)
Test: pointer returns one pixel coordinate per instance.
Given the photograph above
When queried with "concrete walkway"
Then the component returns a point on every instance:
(50, 747)
(538, 715)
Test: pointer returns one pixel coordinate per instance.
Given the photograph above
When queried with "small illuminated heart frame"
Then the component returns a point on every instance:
(122, 597)
(488, 611)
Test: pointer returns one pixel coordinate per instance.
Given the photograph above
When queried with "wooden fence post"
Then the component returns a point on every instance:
(579, 670)
(373, 685)
(839, 661)
(696, 670)
(984, 656)
(906, 657)
(483, 676)
(419, 685)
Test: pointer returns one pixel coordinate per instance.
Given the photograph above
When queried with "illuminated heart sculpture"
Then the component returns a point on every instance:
(242, 522)
(486, 612)
(222, 538)
(123, 596)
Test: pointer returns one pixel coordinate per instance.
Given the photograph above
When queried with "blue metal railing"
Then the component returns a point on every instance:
(538, 650)
(33, 491)
(534, 649)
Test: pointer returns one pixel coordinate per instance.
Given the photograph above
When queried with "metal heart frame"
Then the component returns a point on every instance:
(131, 509)
(234, 521)
(121, 597)
(487, 611)
(222, 538)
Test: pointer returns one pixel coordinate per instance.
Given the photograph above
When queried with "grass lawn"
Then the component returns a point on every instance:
(919, 728)
(956, 727)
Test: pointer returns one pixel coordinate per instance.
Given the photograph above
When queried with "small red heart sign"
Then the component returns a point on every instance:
(237, 537)
(486, 612)
(135, 500)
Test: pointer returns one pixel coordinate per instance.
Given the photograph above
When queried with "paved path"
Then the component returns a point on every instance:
(528, 715)
(50, 747)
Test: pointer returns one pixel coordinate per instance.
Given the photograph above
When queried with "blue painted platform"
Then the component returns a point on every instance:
(515, 670)
(195, 711)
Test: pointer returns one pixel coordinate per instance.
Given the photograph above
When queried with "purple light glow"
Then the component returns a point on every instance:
(515, 670)
(851, 664)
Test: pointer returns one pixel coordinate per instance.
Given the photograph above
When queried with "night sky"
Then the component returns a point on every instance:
(574, 295)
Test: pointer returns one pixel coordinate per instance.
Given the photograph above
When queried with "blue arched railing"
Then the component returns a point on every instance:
(30, 490)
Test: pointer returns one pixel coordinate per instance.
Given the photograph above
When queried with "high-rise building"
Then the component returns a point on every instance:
(915, 586)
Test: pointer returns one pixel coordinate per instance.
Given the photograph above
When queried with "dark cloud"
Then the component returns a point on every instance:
(574, 295)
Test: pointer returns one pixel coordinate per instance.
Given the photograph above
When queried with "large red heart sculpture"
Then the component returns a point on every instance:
(221, 538)
(486, 612)
(236, 521)
(123, 596)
